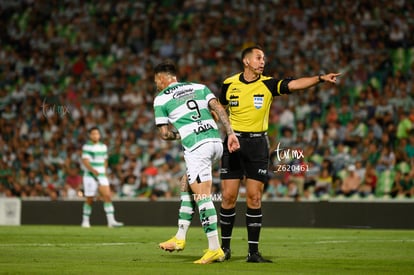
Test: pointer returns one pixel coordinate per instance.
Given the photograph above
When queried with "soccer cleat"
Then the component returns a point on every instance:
(256, 257)
(227, 253)
(211, 256)
(115, 224)
(172, 244)
(86, 224)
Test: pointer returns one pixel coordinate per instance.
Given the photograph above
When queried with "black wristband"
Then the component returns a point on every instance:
(320, 78)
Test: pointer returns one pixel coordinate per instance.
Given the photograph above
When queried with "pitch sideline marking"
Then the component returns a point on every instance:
(361, 241)
(65, 244)
(136, 243)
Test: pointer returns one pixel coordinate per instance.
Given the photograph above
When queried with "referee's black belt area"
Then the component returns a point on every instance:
(250, 134)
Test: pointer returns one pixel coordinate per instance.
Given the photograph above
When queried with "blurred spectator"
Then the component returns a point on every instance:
(409, 147)
(341, 158)
(360, 169)
(129, 187)
(34, 185)
(73, 182)
(355, 156)
(404, 185)
(386, 160)
(50, 188)
(323, 184)
(16, 190)
(351, 182)
(287, 119)
(276, 188)
(369, 182)
(5, 191)
(314, 135)
(114, 183)
(345, 113)
(287, 138)
(375, 128)
(404, 125)
(372, 154)
(281, 189)
(332, 114)
(143, 190)
(293, 190)
(163, 183)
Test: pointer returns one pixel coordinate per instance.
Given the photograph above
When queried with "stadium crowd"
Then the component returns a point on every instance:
(68, 65)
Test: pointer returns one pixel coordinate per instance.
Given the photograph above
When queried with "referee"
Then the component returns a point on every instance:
(248, 97)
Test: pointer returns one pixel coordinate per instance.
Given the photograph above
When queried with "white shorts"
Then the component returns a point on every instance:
(90, 186)
(199, 161)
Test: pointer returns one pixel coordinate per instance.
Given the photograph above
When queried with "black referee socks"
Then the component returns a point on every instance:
(227, 218)
(254, 224)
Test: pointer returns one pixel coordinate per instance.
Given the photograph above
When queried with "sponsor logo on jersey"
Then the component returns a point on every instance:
(172, 89)
(184, 93)
(203, 128)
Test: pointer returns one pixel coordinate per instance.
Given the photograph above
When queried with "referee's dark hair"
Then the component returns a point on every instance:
(248, 50)
(166, 66)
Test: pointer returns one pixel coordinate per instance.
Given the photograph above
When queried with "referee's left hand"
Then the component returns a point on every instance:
(233, 143)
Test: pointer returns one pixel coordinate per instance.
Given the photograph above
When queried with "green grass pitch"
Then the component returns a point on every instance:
(134, 250)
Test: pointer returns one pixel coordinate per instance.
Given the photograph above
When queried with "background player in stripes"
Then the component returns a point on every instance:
(95, 163)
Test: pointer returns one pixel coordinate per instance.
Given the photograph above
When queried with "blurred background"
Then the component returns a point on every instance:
(68, 65)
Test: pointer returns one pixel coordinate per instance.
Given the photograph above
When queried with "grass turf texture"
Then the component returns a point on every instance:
(134, 250)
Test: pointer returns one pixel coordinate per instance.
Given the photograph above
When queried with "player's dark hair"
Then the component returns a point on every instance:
(93, 128)
(167, 66)
(249, 50)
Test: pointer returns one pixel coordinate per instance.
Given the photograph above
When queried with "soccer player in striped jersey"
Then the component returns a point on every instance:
(95, 163)
(186, 106)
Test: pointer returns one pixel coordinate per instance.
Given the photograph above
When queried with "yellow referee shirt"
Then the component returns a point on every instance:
(249, 102)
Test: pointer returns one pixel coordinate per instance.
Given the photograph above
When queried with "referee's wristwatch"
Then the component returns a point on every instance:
(320, 78)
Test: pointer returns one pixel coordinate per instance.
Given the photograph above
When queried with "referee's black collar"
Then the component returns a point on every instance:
(241, 78)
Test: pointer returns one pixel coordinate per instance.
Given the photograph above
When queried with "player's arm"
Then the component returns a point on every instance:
(214, 115)
(232, 142)
(166, 133)
(221, 114)
(307, 82)
(87, 164)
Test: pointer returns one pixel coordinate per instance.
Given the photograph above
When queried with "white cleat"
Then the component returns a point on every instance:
(116, 224)
(85, 225)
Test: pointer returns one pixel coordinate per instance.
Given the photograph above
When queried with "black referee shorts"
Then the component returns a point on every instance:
(251, 161)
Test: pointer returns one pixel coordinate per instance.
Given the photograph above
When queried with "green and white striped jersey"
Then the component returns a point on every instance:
(96, 154)
(185, 106)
